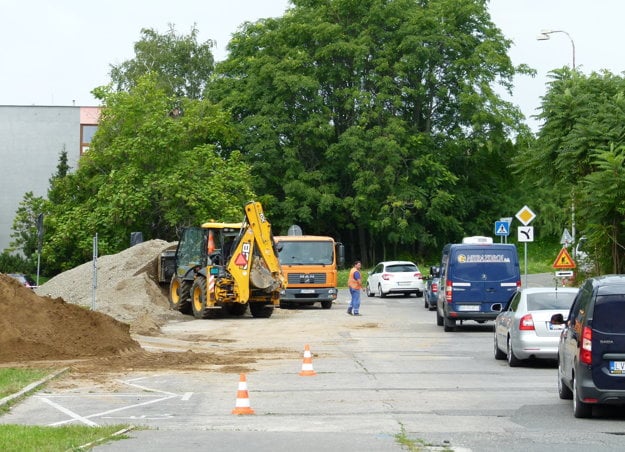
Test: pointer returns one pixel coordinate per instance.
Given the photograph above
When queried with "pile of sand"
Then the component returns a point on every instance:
(37, 328)
(127, 287)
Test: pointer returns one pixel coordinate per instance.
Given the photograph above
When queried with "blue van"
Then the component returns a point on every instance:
(477, 280)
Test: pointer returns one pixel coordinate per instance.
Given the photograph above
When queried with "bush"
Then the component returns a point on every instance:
(14, 263)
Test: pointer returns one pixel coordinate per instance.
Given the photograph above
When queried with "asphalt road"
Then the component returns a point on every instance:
(390, 374)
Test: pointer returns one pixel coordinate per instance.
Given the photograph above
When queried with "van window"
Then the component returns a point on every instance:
(476, 265)
(609, 313)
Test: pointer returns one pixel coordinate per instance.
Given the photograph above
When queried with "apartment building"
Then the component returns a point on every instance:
(31, 141)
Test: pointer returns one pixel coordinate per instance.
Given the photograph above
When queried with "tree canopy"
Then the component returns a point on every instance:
(580, 151)
(376, 121)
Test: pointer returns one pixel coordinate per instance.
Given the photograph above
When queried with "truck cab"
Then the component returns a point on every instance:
(310, 265)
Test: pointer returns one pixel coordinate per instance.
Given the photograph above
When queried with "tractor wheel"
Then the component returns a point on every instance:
(236, 309)
(261, 310)
(199, 300)
(180, 295)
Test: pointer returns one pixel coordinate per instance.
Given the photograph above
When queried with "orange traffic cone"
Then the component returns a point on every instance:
(242, 405)
(307, 367)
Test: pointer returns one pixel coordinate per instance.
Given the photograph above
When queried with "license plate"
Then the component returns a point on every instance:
(308, 290)
(469, 307)
(552, 327)
(617, 367)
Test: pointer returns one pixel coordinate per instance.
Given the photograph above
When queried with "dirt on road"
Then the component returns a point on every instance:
(59, 329)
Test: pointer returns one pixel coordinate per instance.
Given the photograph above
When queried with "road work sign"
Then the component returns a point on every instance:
(564, 261)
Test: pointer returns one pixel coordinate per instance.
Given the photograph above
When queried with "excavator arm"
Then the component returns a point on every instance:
(254, 263)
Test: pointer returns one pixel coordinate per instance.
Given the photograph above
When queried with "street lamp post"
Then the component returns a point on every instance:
(545, 35)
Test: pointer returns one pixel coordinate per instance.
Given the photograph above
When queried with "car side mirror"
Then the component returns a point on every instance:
(557, 319)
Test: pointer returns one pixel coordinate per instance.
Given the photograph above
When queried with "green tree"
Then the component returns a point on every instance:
(181, 64)
(579, 147)
(375, 121)
(148, 171)
(24, 235)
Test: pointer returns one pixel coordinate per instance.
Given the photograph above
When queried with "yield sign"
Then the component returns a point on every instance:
(563, 261)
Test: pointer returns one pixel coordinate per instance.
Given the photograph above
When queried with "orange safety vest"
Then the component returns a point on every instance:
(352, 282)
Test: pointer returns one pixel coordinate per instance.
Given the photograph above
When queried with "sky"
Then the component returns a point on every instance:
(55, 53)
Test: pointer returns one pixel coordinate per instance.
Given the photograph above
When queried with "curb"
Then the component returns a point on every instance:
(32, 386)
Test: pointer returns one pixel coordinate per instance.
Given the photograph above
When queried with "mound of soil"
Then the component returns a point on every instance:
(127, 287)
(36, 328)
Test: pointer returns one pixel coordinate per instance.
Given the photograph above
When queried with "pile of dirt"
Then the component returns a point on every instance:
(37, 328)
(127, 287)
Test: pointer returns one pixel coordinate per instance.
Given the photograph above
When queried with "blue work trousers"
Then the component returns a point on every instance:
(354, 304)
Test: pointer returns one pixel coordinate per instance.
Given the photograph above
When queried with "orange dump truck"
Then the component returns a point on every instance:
(310, 266)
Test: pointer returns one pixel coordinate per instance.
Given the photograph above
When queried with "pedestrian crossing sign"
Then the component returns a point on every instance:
(502, 228)
(564, 260)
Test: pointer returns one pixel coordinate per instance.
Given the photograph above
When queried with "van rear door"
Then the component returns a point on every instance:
(608, 341)
(484, 275)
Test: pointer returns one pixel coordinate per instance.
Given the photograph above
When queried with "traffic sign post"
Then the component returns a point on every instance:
(565, 265)
(526, 234)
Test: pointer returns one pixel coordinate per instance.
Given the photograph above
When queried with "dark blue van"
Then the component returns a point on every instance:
(478, 277)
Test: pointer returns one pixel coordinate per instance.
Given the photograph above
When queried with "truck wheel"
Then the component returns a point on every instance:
(580, 409)
(180, 295)
(513, 361)
(261, 310)
(563, 390)
(326, 304)
(439, 318)
(498, 353)
(198, 300)
(449, 324)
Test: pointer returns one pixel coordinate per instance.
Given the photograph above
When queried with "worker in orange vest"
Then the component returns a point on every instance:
(355, 286)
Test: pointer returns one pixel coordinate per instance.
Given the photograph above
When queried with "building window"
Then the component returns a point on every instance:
(87, 131)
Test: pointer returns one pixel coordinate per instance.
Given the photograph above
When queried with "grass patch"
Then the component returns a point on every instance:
(25, 438)
(41, 438)
(13, 380)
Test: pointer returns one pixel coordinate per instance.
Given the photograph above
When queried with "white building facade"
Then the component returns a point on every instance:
(32, 139)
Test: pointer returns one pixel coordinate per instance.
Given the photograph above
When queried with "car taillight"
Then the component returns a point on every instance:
(386, 276)
(448, 290)
(585, 353)
(434, 287)
(518, 285)
(526, 323)
(418, 275)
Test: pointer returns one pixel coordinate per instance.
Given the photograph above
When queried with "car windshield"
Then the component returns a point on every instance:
(550, 300)
(402, 268)
(609, 313)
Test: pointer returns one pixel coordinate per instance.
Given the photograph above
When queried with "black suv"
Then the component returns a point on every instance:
(591, 353)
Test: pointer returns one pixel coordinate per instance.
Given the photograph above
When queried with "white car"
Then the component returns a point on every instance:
(524, 330)
(395, 277)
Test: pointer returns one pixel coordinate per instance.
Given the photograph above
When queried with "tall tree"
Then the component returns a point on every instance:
(182, 65)
(579, 150)
(376, 120)
(146, 170)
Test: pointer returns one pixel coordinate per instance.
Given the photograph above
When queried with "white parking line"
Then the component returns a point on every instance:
(74, 416)
(86, 419)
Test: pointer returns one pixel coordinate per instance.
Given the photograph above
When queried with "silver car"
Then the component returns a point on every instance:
(524, 330)
(395, 277)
